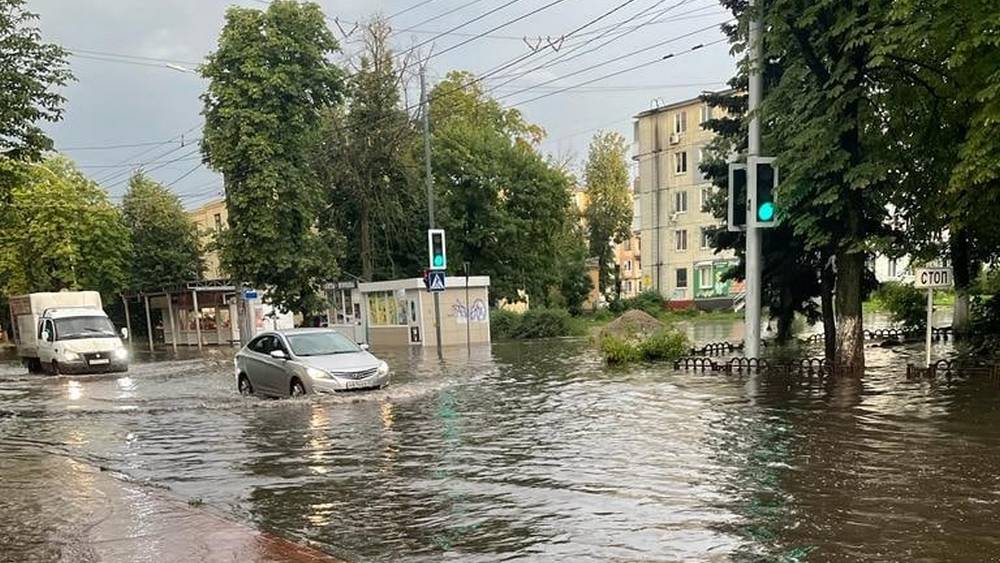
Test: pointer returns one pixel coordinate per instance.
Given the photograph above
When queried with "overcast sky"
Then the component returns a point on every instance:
(145, 101)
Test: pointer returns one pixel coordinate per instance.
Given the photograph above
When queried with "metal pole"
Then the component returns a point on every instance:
(197, 316)
(468, 313)
(430, 192)
(149, 324)
(128, 321)
(173, 327)
(753, 250)
(930, 313)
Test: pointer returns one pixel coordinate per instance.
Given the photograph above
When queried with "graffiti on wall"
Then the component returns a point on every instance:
(477, 312)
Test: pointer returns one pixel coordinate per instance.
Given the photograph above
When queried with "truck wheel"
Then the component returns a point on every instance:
(33, 365)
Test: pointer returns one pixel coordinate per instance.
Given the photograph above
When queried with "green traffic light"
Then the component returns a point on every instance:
(765, 212)
(438, 260)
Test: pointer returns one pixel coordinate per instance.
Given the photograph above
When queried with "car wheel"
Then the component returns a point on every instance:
(297, 389)
(54, 370)
(246, 389)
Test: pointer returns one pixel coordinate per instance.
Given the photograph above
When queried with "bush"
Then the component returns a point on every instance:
(620, 350)
(906, 304)
(503, 323)
(535, 323)
(543, 323)
(663, 345)
(648, 301)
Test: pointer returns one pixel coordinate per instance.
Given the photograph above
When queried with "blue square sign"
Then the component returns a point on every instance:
(435, 281)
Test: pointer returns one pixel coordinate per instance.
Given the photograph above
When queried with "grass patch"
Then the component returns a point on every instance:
(664, 345)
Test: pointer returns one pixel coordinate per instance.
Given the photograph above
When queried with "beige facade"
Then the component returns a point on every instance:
(676, 257)
(211, 218)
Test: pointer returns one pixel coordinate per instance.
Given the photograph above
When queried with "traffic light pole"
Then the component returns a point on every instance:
(753, 251)
(425, 104)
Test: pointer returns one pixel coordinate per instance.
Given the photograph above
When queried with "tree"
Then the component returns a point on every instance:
(270, 80)
(62, 233)
(30, 72)
(503, 205)
(165, 248)
(609, 207)
(368, 162)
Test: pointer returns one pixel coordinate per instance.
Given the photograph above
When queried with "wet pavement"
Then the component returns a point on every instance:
(526, 451)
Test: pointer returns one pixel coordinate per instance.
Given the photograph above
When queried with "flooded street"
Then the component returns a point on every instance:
(531, 451)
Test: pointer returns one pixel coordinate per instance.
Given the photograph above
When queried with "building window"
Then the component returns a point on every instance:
(681, 201)
(892, 268)
(638, 244)
(628, 265)
(628, 244)
(218, 222)
(682, 278)
(387, 308)
(706, 114)
(705, 279)
(628, 286)
(706, 239)
(638, 286)
(681, 240)
(680, 162)
(706, 197)
(680, 122)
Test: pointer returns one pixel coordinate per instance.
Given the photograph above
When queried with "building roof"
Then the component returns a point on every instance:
(675, 105)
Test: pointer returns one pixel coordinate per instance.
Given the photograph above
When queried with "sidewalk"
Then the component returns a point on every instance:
(55, 508)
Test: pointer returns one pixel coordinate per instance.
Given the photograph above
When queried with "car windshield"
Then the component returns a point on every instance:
(83, 327)
(321, 344)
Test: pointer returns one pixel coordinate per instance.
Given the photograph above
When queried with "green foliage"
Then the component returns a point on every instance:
(664, 345)
(988, 283)
(906, 304)
(537, 322)
(649, 301)
(503, 323)
(61, 233)
(505, 207)
(164, 239)
(270, 80)
(618, 350)
(30, 72)
(369, 161)
(574, 283)
(609, 205)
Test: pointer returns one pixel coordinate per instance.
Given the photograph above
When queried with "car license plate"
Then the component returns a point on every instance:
(360, 384)
(101, 362)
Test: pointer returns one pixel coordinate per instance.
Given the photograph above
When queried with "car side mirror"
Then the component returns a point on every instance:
(365, 347)
(279, 355)
(124, 333)
(46, 336)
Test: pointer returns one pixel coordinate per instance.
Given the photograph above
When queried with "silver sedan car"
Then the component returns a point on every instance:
(288, 363)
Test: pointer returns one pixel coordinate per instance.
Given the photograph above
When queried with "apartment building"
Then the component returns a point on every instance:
(628, 256)
(210, 218)
(676, 257)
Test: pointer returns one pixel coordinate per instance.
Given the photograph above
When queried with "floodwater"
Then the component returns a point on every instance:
(526, 451)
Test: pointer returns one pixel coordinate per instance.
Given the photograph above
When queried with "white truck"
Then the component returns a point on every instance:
(66, 332)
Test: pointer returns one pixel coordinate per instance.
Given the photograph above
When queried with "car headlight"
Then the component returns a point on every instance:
(121, 353)
(383, 368)
(71, 356)
(317, 373)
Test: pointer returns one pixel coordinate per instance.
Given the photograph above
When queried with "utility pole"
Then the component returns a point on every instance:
(754, 234)
(425, 104)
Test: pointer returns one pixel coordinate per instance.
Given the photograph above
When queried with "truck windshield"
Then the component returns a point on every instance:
(84, 327)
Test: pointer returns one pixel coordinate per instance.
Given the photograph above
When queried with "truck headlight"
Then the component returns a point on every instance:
(71, 356)
(383, 368)
(121, 353)
(317, 373)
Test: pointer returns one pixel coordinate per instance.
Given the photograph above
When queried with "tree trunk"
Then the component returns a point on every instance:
(786, 317)
(365, 237)
(850, 351)
(828, 280)
(964, 273)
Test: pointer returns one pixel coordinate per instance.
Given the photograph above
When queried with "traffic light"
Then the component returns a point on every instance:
(737, 201)
(436, 249)
(764, 175)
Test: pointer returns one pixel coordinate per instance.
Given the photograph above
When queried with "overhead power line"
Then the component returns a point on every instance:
(465, 23)
(410, 9)
(495, 28)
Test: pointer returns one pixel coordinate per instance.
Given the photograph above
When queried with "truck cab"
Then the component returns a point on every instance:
(67, 332)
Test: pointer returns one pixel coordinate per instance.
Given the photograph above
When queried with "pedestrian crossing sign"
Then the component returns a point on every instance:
(435, 281)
